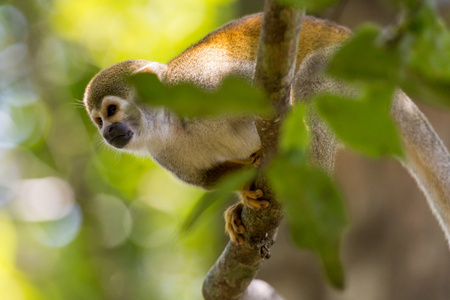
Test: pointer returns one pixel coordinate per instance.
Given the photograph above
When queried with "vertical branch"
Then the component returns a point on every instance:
(275, 67)
(277, 49)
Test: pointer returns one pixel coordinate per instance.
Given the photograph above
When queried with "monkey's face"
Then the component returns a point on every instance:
(118, 121)
(111, 103)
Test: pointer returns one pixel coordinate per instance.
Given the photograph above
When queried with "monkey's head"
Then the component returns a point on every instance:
(110, 101)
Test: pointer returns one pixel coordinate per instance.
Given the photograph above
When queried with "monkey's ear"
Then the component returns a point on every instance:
(154, 67)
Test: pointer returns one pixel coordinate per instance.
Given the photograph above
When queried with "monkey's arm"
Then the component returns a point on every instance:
(249, 197)
(427, 159)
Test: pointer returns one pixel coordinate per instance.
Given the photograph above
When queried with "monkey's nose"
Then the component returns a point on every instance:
(118, 134)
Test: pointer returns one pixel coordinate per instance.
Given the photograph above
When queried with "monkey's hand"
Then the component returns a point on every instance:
(233, 223)
(253, 160)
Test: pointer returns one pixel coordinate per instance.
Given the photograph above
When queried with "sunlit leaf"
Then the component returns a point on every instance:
(314, 210)
(136, 29)
(366, 58)
(234, 96)
(221, 194)
(364, 124)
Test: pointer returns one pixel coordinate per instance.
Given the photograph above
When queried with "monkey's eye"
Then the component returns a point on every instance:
(99, 122)
(111, 110)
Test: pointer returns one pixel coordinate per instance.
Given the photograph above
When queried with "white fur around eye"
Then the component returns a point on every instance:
(113, 100)
(95, 116)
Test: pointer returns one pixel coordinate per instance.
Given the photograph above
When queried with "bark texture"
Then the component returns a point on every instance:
(232, 274)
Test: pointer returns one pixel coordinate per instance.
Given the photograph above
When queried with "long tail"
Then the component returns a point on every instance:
(427, 159)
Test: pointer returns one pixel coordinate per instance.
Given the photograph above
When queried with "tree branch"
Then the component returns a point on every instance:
(274, 71)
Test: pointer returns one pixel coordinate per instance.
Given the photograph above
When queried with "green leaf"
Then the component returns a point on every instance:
(314, 209)
(313, 206)
(234, 96)
(432, 90)
(293, 133)
(425, 47)
(223, 192)
(309, 5)
(364, 124)
(366, 58)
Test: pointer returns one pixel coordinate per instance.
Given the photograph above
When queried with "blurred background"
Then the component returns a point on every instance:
(79, 220)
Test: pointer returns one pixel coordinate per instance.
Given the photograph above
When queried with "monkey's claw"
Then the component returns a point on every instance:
(256, 158)
(233, 223)
(251, 199)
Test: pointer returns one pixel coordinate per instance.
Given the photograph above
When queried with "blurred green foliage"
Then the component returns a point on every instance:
(187, 100)
(313, 206)
(365, 123)
(148, 29)
(310, 6)
(412, 55)
(80, 220)
(386, 61)
(216, 199)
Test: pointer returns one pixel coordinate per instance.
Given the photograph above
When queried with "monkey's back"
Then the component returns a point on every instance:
(232, 49)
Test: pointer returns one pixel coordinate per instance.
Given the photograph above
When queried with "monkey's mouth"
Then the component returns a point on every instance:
(121, 140)
(118, 134)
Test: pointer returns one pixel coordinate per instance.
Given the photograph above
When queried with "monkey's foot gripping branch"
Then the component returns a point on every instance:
(233, 223)
(252, 199)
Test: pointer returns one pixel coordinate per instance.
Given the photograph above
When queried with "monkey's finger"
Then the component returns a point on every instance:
(256, 157)
(255, 203)
(233, 223)
(239, 240)
(252, 194)
(236, 223)
(251, 199)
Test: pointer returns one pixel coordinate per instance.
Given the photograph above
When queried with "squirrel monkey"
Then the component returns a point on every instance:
(201, 151)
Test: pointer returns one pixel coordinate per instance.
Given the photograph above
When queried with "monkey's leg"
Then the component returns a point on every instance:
(322, 152)
(309, 81)
(249, 197)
